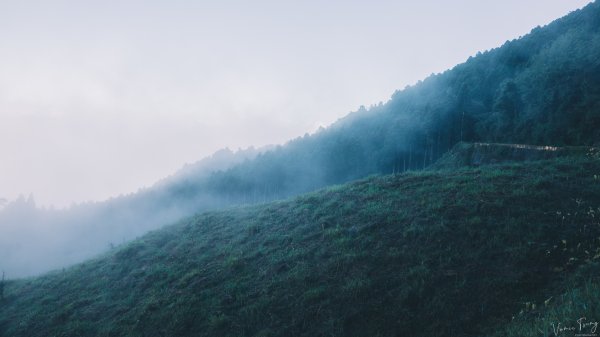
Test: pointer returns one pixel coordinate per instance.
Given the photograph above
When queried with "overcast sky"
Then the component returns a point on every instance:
(99, 98)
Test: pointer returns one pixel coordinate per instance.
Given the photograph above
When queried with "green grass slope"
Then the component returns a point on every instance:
(470, 252)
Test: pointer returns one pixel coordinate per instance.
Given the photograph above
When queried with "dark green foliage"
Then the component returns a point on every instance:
(441, 253)
(542, 89)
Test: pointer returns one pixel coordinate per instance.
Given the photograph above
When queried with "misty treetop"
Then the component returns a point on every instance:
(541, 89)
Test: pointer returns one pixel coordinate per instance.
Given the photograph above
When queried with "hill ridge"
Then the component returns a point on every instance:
(476, 154)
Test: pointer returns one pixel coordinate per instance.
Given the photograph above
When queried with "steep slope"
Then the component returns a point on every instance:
(542, 89)
(440, 253)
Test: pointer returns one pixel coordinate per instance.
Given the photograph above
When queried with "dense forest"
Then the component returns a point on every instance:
(543, 88)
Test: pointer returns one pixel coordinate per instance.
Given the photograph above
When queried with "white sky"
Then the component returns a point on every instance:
(99, 98)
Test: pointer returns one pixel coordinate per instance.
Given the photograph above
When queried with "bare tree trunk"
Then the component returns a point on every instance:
(2, 286)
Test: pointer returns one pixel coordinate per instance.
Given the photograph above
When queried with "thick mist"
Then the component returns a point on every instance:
(542, 89)
(34, 240)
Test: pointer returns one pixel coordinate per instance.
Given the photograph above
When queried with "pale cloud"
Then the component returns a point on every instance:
(99, 98)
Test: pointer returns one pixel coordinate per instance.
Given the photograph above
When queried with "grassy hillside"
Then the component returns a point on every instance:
(464, 252)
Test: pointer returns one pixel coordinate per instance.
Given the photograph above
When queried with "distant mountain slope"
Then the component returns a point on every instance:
(448, 253)
(542, 89)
